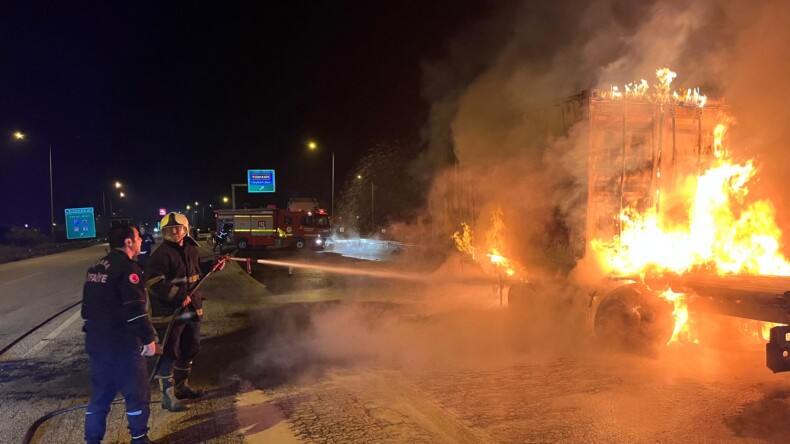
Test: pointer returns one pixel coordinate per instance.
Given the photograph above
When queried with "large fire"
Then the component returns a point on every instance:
(717, 229)
(495, 247)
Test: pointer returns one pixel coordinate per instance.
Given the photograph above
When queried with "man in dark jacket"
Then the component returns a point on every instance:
(118, 333)
(145, 250)
(173, 271)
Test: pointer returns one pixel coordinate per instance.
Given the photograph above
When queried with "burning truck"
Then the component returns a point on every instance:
(666, 220)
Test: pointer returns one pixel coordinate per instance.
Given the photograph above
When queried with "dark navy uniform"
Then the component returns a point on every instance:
(172, 270)
(116, 328)
(145, 251)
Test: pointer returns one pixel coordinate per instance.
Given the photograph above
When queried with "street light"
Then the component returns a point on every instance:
(18, 135)
(117, 186)
(312, 145)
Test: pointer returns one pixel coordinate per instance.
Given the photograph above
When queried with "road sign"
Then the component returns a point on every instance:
(260, 181)
(80, 223)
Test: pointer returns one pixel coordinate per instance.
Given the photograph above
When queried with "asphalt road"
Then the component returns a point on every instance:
(320, 357)
(32, 290)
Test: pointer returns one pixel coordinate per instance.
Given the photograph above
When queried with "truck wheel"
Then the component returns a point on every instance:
(242, 244)
(634, 319)
(299, 243)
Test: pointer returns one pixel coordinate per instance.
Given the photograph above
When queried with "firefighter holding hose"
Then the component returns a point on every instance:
(173, 271)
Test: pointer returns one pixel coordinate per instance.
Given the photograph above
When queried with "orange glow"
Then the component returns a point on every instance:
(464, 241)
(662, 93)
(495, 247)
(722, 232)
(681, 314)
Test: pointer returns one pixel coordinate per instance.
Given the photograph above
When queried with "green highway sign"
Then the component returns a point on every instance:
(80, 223)
(260, 181)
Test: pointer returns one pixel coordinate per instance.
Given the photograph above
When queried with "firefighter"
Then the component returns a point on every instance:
(175, 268)
(118, 333)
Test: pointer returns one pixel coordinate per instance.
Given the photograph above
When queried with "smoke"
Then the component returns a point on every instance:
(488, 93)
(410, 328)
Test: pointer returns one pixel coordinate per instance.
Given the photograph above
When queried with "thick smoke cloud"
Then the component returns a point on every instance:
(528, 55)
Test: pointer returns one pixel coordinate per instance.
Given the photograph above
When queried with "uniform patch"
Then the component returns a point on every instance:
(134, 278)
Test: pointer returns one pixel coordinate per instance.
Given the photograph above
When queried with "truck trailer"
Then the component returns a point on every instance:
(637, 151)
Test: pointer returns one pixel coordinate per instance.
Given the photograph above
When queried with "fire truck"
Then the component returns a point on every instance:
(273, 227)
(637, 150)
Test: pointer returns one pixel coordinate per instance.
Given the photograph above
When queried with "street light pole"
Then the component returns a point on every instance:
(332, 214)
(51, 198)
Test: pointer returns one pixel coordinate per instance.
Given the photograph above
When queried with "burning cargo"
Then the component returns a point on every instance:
(666, 216)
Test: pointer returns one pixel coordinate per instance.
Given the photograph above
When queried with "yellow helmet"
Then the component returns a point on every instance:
(174, 220)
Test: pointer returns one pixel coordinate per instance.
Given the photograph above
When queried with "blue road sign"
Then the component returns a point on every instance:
(80, 223)
(260, 181)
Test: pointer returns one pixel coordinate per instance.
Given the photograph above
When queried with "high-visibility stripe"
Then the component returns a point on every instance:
(137, 317)
(154, 280)
(135, 413)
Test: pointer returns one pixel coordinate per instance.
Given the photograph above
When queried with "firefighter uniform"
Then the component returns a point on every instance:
(173, 269)
(116, 328)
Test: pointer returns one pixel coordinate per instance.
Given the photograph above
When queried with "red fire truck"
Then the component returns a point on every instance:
(273, 227)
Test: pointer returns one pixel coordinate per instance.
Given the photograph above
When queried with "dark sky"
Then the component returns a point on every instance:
(177, 101)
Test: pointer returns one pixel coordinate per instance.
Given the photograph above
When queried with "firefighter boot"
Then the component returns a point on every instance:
(183, 389)
(169, 400)
(142, 440)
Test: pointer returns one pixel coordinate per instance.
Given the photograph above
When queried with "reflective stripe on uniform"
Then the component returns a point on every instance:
(136, 317)
(154, 280)
(135, 413)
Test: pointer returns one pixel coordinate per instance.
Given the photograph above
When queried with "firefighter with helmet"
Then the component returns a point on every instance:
(172, 271)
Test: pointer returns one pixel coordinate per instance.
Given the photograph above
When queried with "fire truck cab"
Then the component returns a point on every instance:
(309, 228)
(273, 227)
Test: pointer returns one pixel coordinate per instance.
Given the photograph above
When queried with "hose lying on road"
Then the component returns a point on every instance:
(29, 332)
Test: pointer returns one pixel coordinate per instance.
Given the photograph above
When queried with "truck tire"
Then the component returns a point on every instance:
(242, 244)
(632, 318)
(299, 243)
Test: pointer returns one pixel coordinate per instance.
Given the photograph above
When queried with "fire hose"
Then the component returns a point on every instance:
(31, 431)
(160, 350)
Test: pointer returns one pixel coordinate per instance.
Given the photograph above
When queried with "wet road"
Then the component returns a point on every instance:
(386, 361)
(322, 357)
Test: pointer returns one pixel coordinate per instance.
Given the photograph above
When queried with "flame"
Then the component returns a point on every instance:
(495, 246)
(681, 314)
(721, 234)
(464, 240)
(640, 91)
(711, 225)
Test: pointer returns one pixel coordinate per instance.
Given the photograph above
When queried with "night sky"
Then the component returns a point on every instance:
(177, 101)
